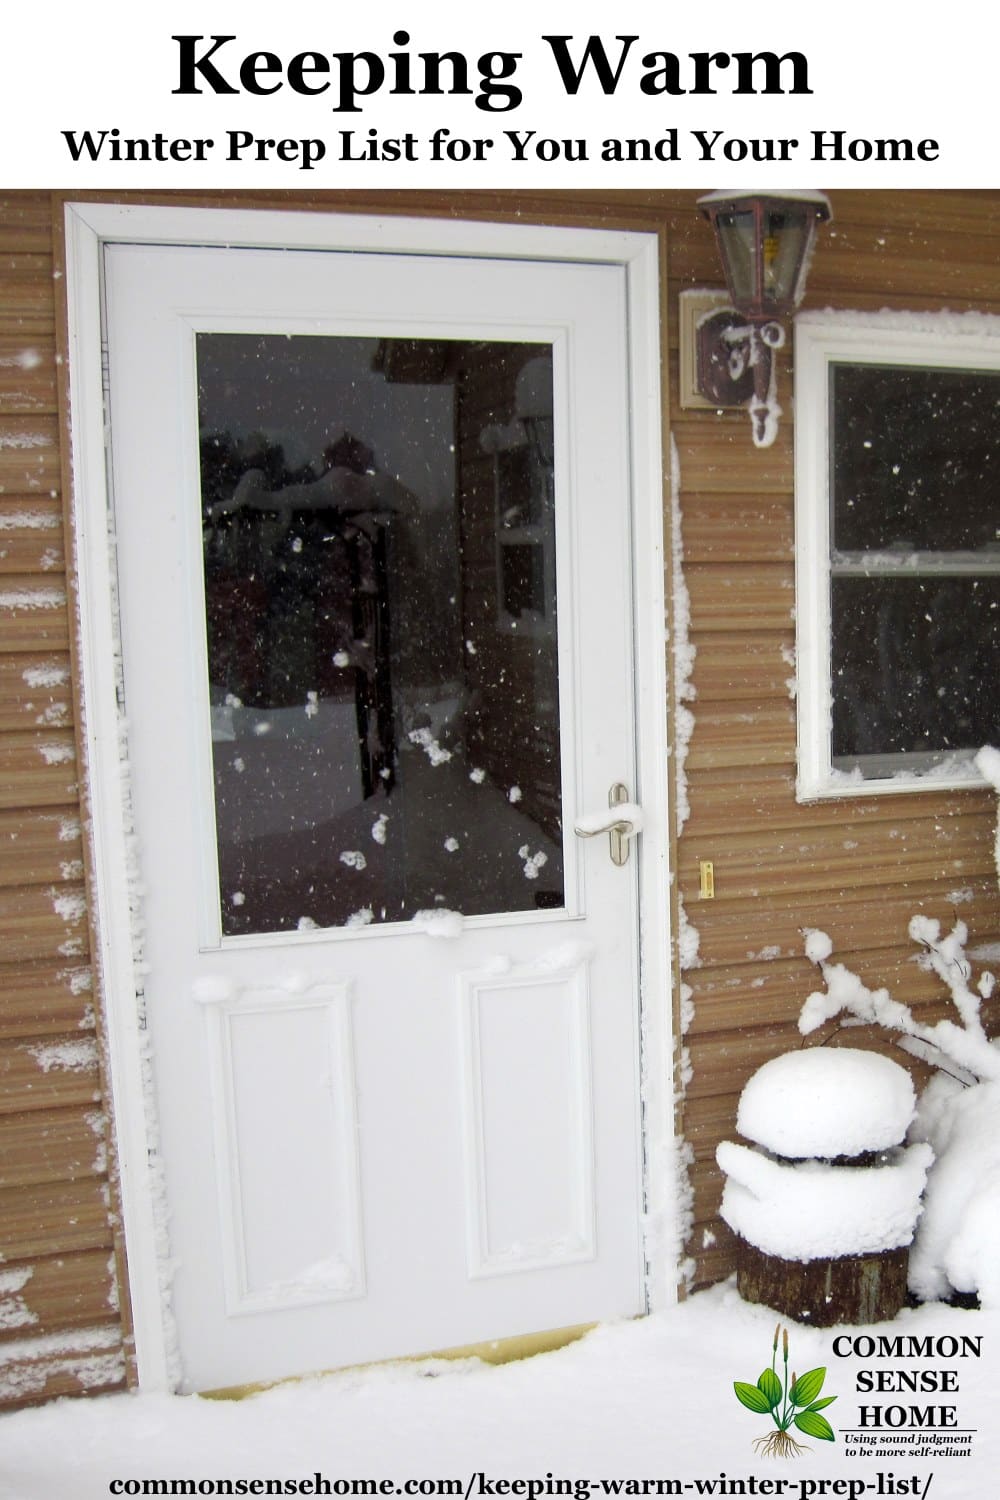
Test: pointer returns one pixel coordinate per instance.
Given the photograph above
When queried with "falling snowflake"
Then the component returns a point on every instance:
(434, 752)
(237, 898)
(515, 794)
(478, 775)
(312, 705)
(451, 844)
(341, 659)
(379, 828)
(532, 862)
(353, 859)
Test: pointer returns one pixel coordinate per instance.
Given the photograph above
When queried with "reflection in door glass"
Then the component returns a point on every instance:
(379, 550)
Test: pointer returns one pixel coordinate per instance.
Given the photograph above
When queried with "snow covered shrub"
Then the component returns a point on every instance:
(945, 1044)
(959, 1112)
(956, 1245)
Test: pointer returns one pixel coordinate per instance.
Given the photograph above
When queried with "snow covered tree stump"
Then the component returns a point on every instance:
(825, 1204)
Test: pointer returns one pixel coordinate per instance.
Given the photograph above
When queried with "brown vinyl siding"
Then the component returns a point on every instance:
(859, 869)
(60, 1325)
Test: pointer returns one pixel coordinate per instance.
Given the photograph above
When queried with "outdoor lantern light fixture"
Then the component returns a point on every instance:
(765, 241)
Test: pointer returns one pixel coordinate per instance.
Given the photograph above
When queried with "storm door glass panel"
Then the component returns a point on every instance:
(379, 550)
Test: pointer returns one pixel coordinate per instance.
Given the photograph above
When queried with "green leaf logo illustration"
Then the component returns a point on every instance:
(789, 1403)
(751, 1396)
(807, 1387)
(814, 1425)
(770, 1385)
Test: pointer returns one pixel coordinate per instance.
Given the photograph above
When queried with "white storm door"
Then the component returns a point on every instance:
(373, 558)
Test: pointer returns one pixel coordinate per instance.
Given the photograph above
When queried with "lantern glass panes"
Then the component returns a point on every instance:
(764, 241)
(786, 241)
(736, 232)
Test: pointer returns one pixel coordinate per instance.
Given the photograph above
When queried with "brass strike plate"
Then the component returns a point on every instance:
(706, 875)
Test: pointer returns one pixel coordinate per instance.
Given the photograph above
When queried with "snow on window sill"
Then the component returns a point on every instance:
(900, 774)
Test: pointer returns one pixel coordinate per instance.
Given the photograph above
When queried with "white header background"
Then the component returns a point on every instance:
(877, 70)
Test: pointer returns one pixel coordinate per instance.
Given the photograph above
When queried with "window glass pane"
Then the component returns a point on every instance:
(381, 622)
(915, 664)
(914, 459)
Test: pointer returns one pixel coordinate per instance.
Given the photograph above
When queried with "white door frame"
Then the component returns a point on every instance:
(118, 938)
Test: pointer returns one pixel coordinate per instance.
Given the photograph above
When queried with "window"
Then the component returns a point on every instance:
(898, 549)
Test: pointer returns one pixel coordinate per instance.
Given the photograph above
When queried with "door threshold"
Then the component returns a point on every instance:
(490, 1351)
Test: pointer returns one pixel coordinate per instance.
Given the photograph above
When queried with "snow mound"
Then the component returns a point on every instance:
(988, 764)
(827, 1102)
(812, 1210)
(438, 921)
(956, 1247)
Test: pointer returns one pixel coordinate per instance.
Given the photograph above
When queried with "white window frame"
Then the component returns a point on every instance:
(969, 341)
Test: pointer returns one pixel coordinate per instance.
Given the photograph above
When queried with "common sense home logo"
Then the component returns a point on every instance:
(789, 1403)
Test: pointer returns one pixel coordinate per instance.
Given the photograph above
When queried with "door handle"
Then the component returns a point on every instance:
(621, 822)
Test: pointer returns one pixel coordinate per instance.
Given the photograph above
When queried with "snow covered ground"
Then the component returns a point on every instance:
(651, 1399)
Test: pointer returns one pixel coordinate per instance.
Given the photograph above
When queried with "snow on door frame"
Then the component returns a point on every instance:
(88, 227)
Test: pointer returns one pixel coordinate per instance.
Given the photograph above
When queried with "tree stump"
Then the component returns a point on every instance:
(844, 1289)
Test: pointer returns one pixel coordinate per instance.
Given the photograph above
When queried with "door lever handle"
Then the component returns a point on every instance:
(621, 821)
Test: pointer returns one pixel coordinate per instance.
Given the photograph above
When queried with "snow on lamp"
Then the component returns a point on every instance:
(765, 241)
